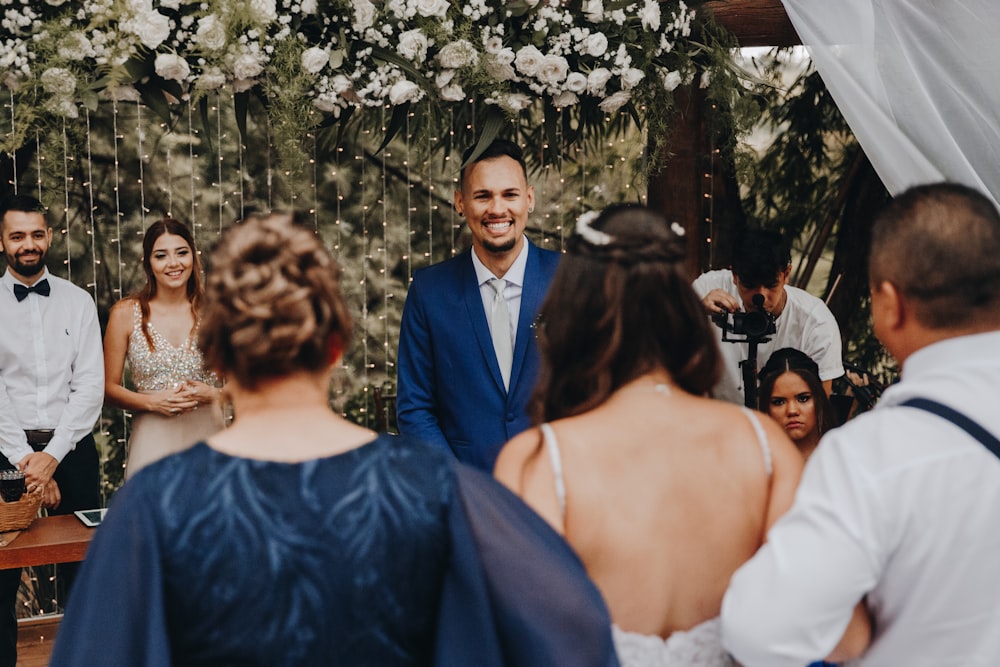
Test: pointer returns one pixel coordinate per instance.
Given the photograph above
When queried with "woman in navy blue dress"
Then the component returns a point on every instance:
(297, 538)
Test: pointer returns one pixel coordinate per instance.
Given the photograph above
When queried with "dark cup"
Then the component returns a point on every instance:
(11, 485)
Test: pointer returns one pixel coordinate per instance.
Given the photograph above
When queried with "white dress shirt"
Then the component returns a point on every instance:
(899, 505)
(51, 367)
(514, 279)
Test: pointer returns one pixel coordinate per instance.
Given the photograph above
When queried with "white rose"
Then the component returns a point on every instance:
(171, 67)
(631, 78)
(576, 82)
(453, 93)
(412, 45)
(596, 44)
(593, 10)
(597, 80)
(528, 60)
(58, 81)
(499, 70)
(75, 46)
(493, 45)
(263, 11)
(671, 80)
(314, 59)
(243, 85)
(404, 91)
(308, 7)
(211, 79)
(515, 102)
(340, 84)
(435, 8)
(211, 33)
(613, 103)
(650, 15)
(170, 4)
(444, 78)
(152, 29)
(459, 53)
(553, 70)
(565, 99)
(364, 15)
(247, 66)
(62, 106)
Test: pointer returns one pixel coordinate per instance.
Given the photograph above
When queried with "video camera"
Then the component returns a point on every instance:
(754, 326)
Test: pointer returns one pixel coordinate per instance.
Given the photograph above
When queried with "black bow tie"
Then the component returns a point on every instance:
(41, 288)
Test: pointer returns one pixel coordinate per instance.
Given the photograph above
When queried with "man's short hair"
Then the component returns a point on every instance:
(760, 256)
(22, 203)
(939, 245)
(498, 148)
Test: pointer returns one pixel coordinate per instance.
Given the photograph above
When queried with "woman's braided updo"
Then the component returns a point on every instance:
(272, 302)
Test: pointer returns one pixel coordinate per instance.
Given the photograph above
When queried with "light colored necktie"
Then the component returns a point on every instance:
(500, 328)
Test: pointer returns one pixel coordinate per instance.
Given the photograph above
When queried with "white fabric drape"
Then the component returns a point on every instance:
(917, 80)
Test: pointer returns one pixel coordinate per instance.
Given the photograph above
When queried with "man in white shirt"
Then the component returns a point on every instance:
(761, 265)
(51, 385)
(897, 509)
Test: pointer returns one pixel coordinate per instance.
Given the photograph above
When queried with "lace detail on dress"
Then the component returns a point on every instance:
(701, 646)
(765, 446)
(552, 446)
(164, 367)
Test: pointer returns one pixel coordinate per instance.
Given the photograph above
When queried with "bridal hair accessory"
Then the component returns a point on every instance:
(589, 234)
(677, 229)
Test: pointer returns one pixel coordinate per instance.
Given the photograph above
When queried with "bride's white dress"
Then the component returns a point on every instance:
(155, 436)
(701, 646)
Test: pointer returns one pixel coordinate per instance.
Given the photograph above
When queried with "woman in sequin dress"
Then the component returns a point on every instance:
(174, 398)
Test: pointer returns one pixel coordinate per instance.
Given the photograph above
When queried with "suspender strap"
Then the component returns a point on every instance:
(958, 419)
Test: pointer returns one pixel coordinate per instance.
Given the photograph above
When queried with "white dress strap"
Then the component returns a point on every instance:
(765, 446)
(552, 446)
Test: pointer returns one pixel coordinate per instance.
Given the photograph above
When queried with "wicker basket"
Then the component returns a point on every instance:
(19, 515)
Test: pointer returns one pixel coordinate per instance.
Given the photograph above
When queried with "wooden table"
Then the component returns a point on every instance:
(50, 539)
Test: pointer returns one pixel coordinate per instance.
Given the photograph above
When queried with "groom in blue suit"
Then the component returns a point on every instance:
(452, 388)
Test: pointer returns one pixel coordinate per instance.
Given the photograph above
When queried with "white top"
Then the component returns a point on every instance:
(514, 279)
(805, 323)
(898, 504)
(51, 367)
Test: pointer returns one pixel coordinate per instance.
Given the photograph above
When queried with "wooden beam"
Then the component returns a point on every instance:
(755, 22)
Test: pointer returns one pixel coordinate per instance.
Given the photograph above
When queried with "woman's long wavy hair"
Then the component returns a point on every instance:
(621, 305)
(148, 291)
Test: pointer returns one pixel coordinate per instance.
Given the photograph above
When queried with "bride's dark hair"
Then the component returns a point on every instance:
(621, 305)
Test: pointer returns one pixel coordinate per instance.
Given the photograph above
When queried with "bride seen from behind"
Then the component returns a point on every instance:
(155, 331)
(663, 493)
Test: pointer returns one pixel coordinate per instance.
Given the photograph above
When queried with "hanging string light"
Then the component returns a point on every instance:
(66, 188)
(139, 132)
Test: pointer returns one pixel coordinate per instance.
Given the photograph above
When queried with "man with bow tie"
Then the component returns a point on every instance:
(51, 385)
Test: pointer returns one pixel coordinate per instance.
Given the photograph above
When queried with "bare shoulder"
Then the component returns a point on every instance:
(120, 317)
(514, 459)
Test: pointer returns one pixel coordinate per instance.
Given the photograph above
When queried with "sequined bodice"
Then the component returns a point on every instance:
(165, 366)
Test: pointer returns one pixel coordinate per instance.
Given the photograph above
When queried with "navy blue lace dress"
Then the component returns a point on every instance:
(389, 554)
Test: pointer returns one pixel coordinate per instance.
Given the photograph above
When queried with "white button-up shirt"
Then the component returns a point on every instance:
(51, 367)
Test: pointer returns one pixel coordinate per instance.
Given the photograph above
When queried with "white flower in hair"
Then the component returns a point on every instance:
(589, 234)
(677, 229)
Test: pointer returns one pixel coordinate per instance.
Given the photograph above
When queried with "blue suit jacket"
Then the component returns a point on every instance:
(450, 392)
